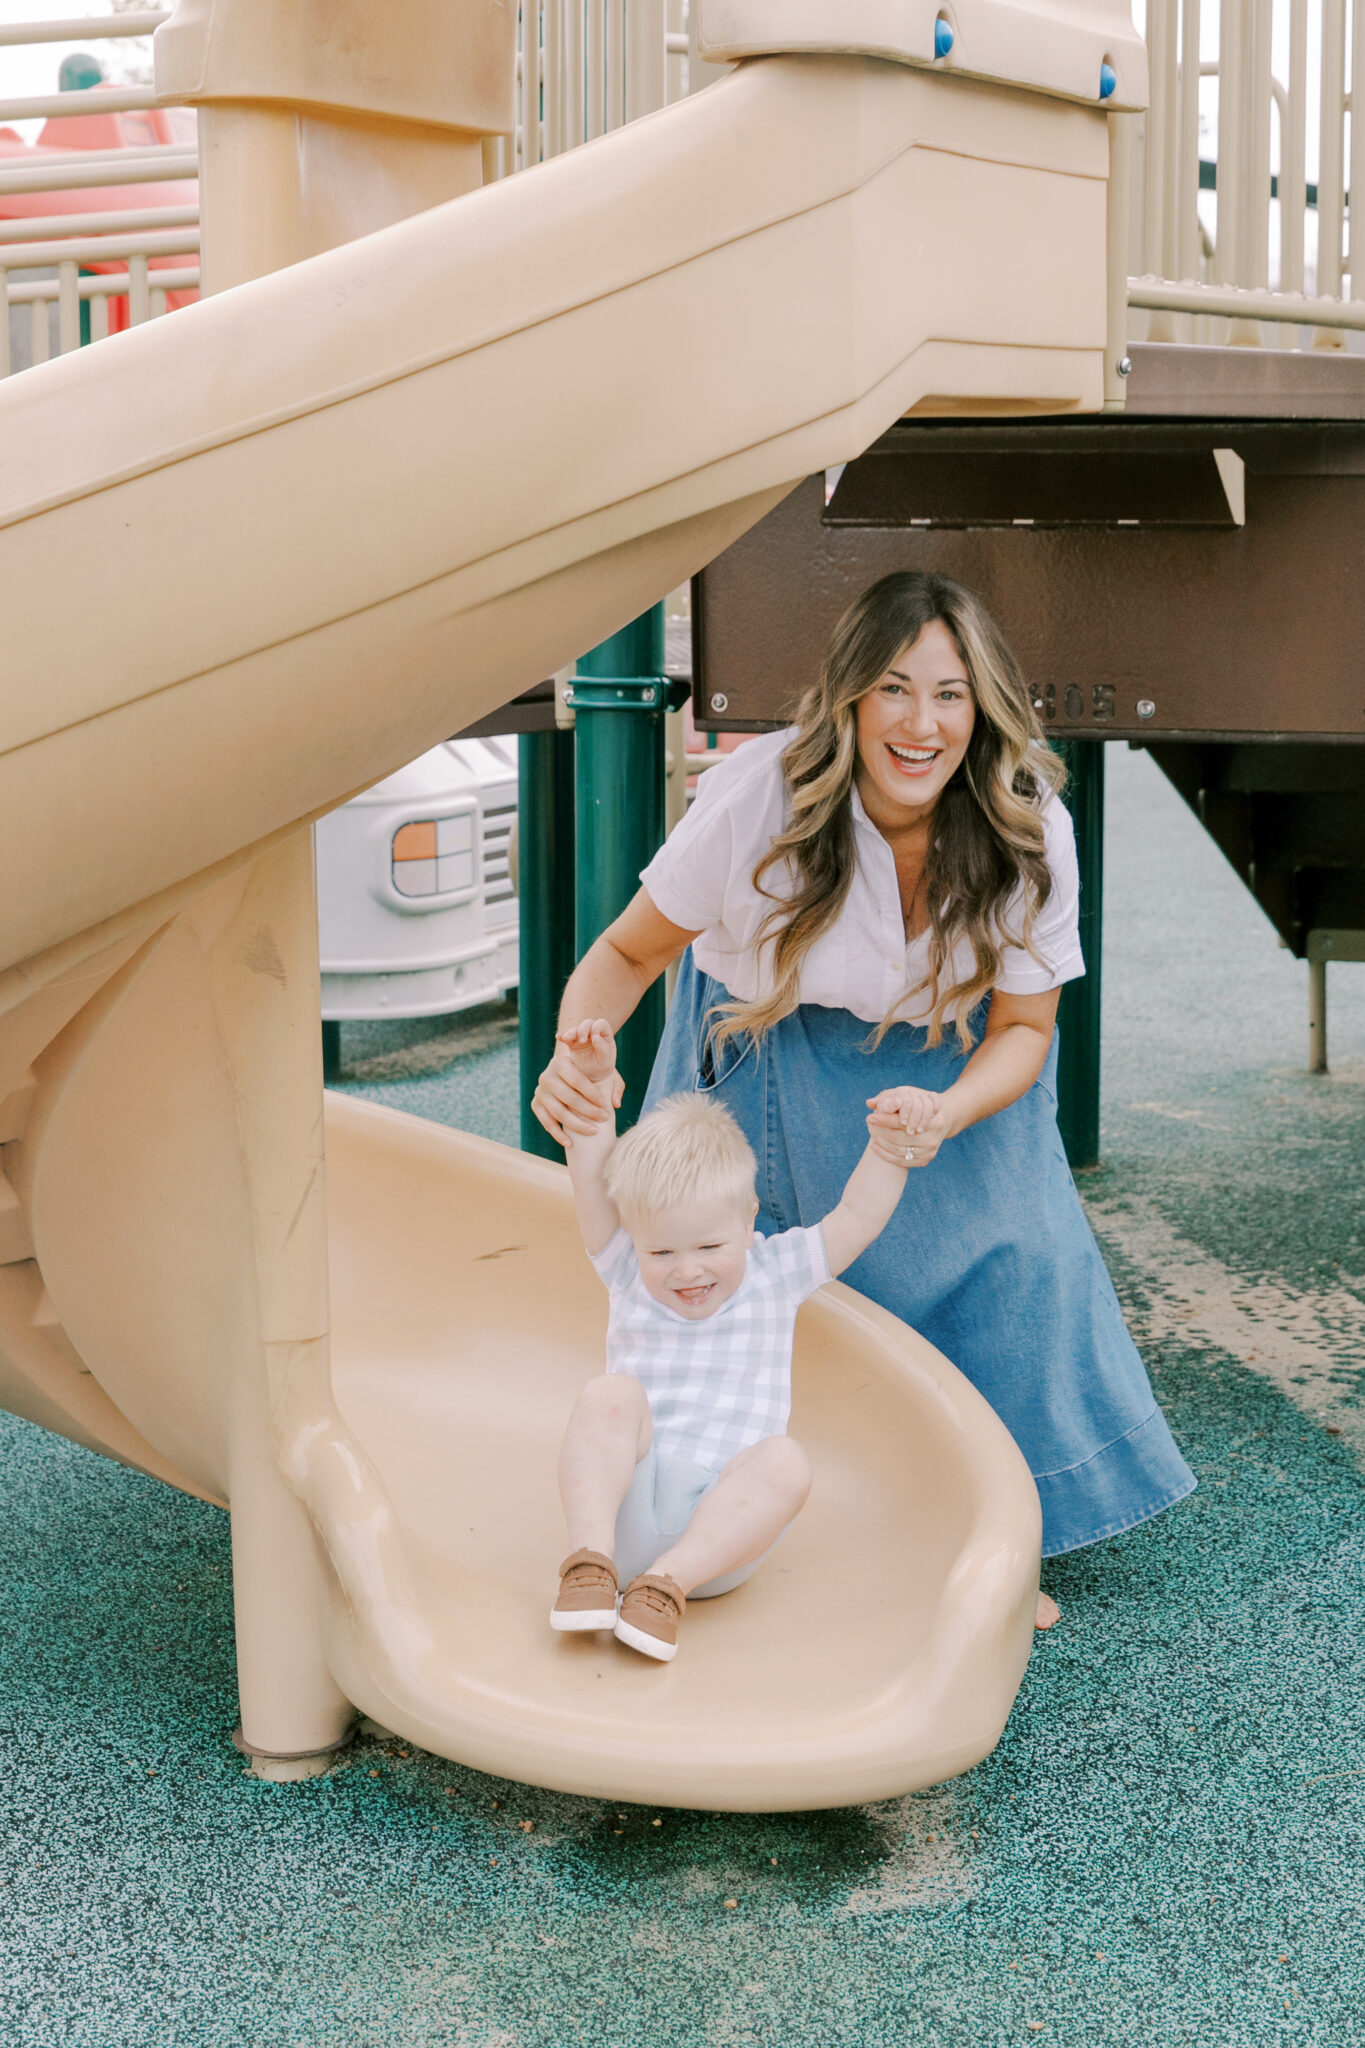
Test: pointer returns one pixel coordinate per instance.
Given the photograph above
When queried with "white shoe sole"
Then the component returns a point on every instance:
(646, 1644)
(587, 1618)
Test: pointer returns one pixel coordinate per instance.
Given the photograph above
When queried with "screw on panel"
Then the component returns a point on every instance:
(720, 702)
(1125, 366)
(1146, 708)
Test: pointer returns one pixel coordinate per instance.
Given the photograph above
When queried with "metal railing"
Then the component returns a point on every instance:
(592, 66)
(49, 261)
(1281, 248)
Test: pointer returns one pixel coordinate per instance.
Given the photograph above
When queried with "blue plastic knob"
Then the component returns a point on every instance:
(1108, 80)
(943, 38)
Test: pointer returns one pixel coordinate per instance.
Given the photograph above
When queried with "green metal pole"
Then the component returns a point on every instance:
(619, 695)
(545, 869)
(1078, 1014)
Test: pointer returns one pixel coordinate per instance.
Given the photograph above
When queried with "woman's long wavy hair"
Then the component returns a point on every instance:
(987, 831)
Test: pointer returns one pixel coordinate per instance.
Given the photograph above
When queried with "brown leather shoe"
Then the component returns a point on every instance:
(587, 1593)
(651, 1608)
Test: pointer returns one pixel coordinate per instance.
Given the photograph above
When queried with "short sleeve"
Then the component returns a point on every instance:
(799, 1260)
(615, 1265)
(687, 877)
(1056, 934)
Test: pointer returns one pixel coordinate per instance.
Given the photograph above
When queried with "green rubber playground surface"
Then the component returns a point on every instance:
(1168, 1845)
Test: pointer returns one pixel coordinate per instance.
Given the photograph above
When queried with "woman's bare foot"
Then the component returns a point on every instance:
(1047, 1612)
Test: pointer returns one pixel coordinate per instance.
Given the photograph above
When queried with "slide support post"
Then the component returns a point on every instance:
(1078, 1016)
(545, 889)
(619, 696)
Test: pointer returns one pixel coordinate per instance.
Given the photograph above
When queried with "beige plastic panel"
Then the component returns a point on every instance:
(445, 63)
(464, 449)
(1048, 45)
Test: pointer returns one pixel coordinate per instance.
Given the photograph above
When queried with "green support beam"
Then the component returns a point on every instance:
(1078, 1015)
(545, 888)
(619, 696)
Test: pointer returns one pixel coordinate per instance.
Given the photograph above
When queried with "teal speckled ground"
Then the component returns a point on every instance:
(1167, 1847)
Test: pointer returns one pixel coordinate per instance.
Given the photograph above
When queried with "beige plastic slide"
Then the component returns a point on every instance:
(320, 520)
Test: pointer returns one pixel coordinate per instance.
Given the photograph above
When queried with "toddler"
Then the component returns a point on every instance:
(676, 1472)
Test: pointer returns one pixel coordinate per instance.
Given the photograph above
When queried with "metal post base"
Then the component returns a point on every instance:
(1317, 1016)
(294, 1769)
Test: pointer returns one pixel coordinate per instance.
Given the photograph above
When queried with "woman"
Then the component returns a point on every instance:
(886, 895)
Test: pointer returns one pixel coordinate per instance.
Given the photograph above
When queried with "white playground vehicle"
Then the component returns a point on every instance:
(417, 916)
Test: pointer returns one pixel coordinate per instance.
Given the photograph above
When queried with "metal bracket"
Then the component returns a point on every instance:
(627, 693)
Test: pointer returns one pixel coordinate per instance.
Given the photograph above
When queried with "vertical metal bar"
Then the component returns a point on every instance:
(40, 333)
(616, 63)
(1160, 59)
(554, 77)
(1356, 187)
(1245, 189)
(645, 54)
(1187, 198)
(1331, 170)
(4, 324)
(519, 93)
(1159, 170)
(545, 890)
(68, 308)
(1317, 1016)
(1255, 257)
(675, 24)
(1078, 1014)
(139, 299)
(573, 74)
(619, 821)
(530, 83)
(1230, 189)
(595, 62)
(99, 316)
(1293, 152)
(1116, 258)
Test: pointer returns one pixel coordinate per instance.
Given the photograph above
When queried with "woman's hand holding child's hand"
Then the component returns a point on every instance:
(570, 1100)
(908, 1120)
(585, 1055)
(592, 1048)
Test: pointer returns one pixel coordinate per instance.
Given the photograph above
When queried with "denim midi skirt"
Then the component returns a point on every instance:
(988, 1256)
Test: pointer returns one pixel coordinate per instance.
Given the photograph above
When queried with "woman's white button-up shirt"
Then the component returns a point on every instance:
(702, 879)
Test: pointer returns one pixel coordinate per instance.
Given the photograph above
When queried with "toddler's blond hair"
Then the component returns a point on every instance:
(688, 1149)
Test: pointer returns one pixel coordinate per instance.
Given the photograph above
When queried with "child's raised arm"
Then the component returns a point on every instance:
(865, 1207)
(592, 1048)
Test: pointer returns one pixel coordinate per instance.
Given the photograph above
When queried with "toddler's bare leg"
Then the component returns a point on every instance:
(608, 1434)
(747, 1509)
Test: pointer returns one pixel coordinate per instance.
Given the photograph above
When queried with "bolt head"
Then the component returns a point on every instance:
(1146, 708)
(720, 702)
(1125, 366)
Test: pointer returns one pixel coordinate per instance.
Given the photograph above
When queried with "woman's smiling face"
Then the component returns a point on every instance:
(913, 728)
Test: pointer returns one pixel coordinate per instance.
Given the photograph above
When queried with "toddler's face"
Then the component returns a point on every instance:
(692, 1258)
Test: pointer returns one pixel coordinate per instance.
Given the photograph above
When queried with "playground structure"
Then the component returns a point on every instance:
(384, 329)
(1182, 571)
